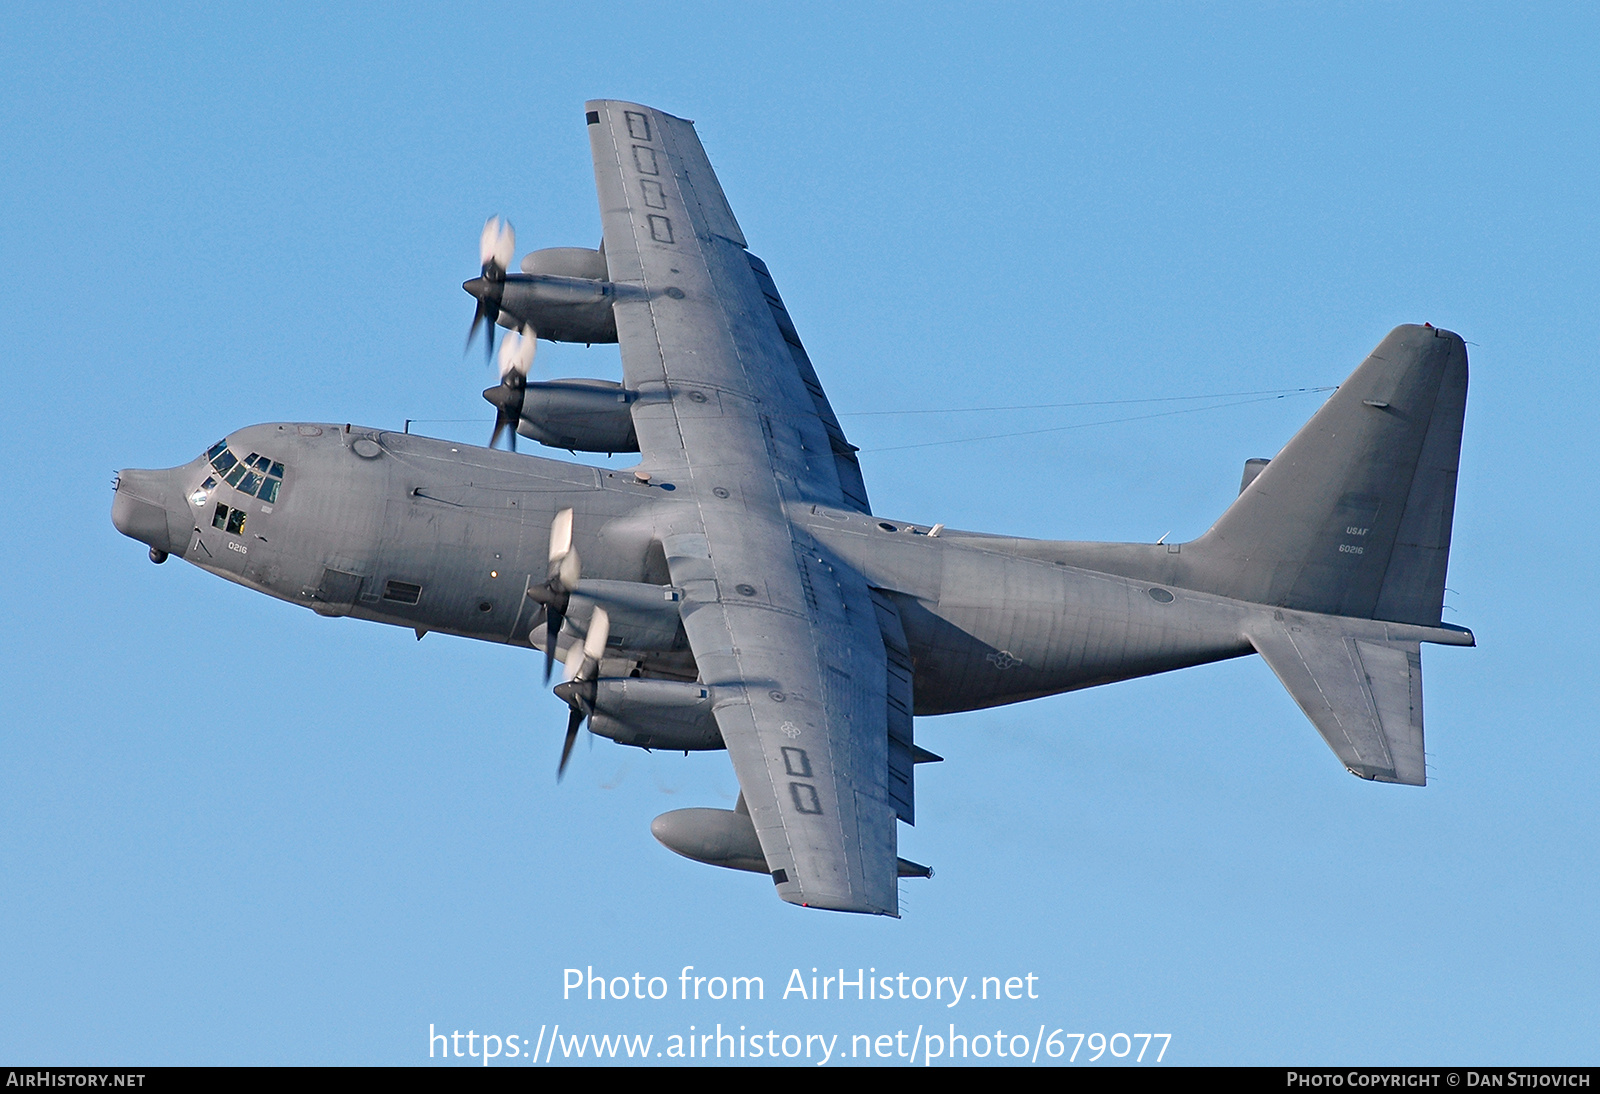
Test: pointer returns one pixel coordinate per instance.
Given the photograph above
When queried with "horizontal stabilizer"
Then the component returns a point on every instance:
(1364, 697)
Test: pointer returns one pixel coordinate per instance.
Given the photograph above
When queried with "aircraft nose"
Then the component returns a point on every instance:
(144, 509)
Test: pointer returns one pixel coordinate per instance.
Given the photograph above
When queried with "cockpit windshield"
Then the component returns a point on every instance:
(255, 475)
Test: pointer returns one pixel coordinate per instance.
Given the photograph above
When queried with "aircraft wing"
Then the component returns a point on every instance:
(792, 641)
(703, 331)
(800, 674)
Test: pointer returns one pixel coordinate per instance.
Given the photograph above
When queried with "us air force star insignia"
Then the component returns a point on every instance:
(1003, 660)
(789, 730)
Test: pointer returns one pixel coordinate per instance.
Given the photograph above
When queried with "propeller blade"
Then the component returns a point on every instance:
(496, 245)
(594, 644)
(575, 659)
(516, 354)
(568, 571)
(491, 228)
(503, 425)
(505, 246)
(574, 721)
(557, 591)
(552, 627)
(508, 351)
(560, 537)
(486, 315)
(488, 294)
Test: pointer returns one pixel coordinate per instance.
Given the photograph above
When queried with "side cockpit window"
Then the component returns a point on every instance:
(229, 519)
(255, 475)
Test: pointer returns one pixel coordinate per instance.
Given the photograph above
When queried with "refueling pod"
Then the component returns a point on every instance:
(716, 837)
(727, 838)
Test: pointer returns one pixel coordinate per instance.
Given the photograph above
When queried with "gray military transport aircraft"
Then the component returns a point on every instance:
(737, 592)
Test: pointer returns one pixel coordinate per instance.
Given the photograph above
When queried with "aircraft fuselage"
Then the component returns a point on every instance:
(441, 536)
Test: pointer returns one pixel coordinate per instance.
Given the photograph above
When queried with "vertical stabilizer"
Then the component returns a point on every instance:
(1353, 517)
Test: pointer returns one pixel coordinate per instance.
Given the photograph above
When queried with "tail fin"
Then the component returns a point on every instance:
(1353, 517)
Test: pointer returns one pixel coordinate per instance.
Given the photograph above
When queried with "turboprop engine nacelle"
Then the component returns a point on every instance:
(579, 415)
(564, 296)
(556, 308)
(641, 618)
(655, 714)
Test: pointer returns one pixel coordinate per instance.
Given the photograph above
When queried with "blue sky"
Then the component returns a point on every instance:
(234, 832)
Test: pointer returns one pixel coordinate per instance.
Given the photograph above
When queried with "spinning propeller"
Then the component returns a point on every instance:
(496, 247)
(556, 593)
(516, 358)
(582, 672)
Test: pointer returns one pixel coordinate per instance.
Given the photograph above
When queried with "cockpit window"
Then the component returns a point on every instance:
(202, 492)
(229, 519)
(257, 475)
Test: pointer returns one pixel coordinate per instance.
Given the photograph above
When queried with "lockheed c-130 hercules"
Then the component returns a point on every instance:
(735, 591)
